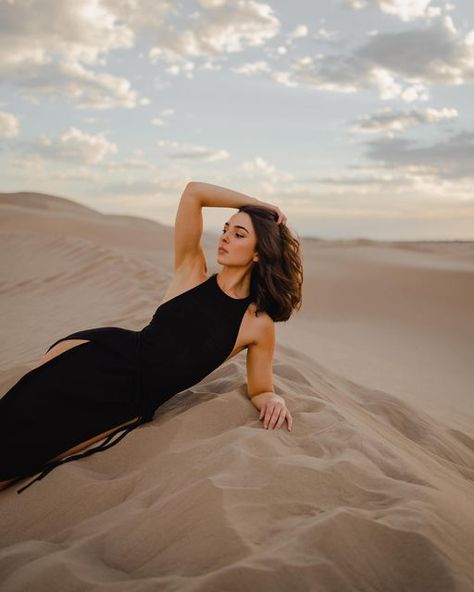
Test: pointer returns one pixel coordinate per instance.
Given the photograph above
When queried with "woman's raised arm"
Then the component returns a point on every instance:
(214, 196)
(188, 229)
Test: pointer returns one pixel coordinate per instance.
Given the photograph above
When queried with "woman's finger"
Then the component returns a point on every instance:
(274, 416)
(268, 414)
(271, 414)
(263, 410)
(280, 413)
(280, 215)
(281, 419)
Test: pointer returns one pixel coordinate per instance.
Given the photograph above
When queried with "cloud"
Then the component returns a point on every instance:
(297, 32)
(50, 46)
(270, 177)
(193, 151)
(87, 89)
(9, 125)
(160, 121)
(323, 34)
(224, 28)
(35, 30)
(406, 10)
(398, 65)
(251, 68)
(76, 146)
(449, 158)
(212, 3)
(389, 121)
(436, 53)
(140, 15)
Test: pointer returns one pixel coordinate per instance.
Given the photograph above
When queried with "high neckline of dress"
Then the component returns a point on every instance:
(225, 293)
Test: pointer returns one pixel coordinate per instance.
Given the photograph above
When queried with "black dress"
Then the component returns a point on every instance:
(115, 377)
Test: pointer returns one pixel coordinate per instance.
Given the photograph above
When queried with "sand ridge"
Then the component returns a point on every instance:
(373, 488)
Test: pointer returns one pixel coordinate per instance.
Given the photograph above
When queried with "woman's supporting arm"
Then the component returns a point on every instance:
(213, 196)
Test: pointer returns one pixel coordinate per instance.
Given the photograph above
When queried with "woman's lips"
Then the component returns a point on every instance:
(223, 250)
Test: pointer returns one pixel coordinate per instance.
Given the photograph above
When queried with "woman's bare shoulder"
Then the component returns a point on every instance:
(261, 326)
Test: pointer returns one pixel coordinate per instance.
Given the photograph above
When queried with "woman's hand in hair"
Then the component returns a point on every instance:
(276, 209)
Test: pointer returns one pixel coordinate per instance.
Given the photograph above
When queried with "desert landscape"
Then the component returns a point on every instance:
(373, 488)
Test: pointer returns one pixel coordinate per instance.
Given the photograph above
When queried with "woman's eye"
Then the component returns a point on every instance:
(239, 235)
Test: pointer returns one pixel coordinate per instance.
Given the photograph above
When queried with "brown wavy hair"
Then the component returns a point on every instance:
(277, 276)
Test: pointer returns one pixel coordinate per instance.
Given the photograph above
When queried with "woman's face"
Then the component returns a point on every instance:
(238, 238)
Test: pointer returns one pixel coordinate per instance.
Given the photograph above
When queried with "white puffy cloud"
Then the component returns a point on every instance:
(212, 3)
(398, 65)
(76, 146)
(51, 47)
(9, 125)
(140, 15)
(225, 28)
(270, 177)
(87, 89)
(34, 31)
(297, 32)
(388, 120)
(406, 10)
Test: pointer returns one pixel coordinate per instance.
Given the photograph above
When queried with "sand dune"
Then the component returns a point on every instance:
(373, 488)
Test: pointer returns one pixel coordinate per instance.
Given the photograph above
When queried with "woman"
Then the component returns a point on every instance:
(98, 382)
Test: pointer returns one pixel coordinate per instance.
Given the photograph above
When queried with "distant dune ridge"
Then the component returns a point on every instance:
(372, 490)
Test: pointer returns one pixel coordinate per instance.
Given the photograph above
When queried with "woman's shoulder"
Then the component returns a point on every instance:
(262, 326)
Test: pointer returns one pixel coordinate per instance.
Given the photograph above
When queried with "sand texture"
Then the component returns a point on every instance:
(373, 490)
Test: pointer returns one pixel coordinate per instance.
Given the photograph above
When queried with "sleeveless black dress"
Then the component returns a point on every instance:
(115, 377)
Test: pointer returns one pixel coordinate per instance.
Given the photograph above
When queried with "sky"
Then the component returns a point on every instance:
(354, 117)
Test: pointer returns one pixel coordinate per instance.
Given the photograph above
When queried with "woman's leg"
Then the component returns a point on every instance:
(77, 448)
(35, 408)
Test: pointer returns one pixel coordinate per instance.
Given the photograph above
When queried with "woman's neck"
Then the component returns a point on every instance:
(234, 284)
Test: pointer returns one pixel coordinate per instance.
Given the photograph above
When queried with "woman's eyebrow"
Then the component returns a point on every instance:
(236, 226)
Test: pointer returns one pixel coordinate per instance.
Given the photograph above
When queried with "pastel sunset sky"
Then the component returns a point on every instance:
(355, 117)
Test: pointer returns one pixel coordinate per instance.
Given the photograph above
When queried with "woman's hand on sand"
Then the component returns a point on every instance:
(274, 412)
(276, 209)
